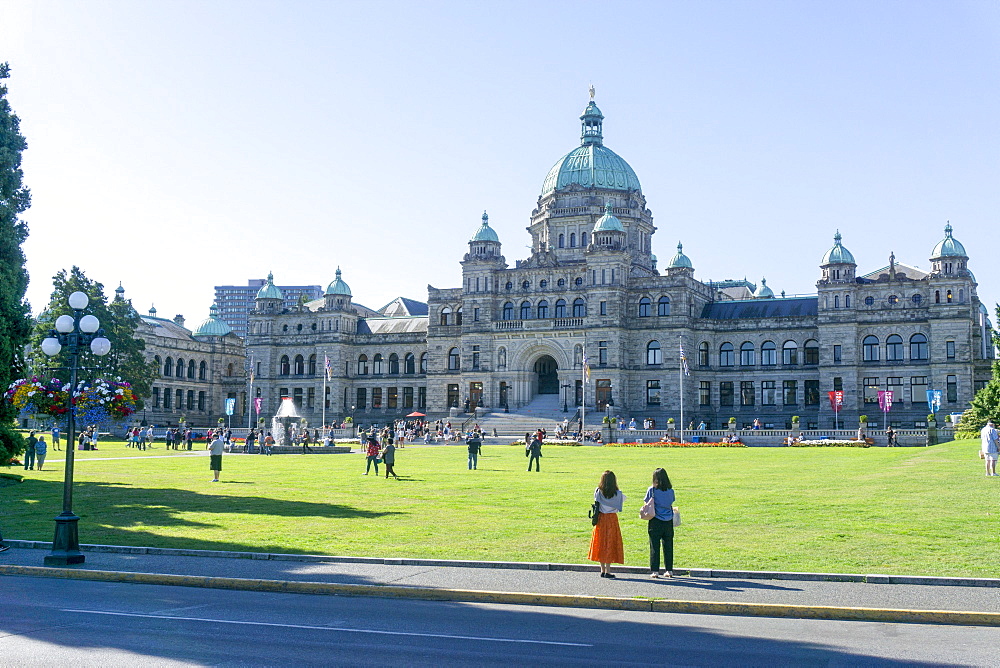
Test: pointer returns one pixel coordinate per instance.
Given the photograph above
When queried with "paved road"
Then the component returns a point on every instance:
(47, 622)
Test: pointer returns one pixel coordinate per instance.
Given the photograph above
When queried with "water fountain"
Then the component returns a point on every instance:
(287, 423)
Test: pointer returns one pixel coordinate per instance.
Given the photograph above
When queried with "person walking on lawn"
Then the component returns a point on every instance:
(40, 449)
(535, 452)
(475, 444)
(55, 437)
(29, 451)
(371, 455)
(215, 449)
(389, 458)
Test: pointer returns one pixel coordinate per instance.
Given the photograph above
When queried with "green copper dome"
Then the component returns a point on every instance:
(949, 246)
(680, 260)
(592, 164)
(338, 287)
(270, 290)
(763, 292)
(485, 232)
(838, 254)
(608, 222)
(212, 326)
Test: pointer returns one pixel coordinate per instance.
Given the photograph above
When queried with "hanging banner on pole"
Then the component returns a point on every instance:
(836, 400)
(885, 400)
(257, 401)
(230, 405)
(933, 400)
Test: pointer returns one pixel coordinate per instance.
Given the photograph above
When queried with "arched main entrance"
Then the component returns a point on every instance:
(548, 378)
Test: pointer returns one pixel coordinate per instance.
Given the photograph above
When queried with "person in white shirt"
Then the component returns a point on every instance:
(991, 447)
(215, 449)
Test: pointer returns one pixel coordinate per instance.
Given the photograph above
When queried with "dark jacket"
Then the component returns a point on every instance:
(475, 444)
(535, 448)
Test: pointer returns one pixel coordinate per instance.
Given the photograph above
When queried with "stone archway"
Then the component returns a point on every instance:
(547, 371)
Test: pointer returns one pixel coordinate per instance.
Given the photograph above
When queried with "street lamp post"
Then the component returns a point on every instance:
(74, 332)
(565, 388)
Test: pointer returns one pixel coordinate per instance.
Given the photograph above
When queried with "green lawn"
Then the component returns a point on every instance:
(927, 511)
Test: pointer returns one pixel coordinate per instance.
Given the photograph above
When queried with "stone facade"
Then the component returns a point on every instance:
(590, 294)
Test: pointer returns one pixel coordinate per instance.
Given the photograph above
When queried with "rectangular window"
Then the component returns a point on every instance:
(475, 312)
(453, 397)
(201, 401)
(952, 389)
(190, 400)
(311, 398)
(407, 397)
(392, 397)
(896, 385)
(156, 397)
(421, 397)
(726, 393)
(838, 384)
(812, 392)
(871, 390)
(475, 357)
(768, 393)
(837, 353)
(918, 389)
(747, 394)
(705, 393)
(602, 353)
(653, 392)
(604, 308)
(166, 399)
(811, 353)
(297, 397)
(789, 390)
(376, 397)
(362, 398)
(950, 348)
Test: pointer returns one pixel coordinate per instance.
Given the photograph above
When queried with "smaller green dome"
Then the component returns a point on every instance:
(838, 254)
(338, 287)
(763, 292)
(485, 232)
(949, 246)
(212, 326)
(608, 222)
(680, 260)
(270, 290)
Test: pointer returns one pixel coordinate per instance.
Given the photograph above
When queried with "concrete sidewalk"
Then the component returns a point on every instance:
(804, 595)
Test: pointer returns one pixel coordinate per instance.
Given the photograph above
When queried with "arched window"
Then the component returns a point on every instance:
(454, 360)
(409, 363)
(203, 370)
(363, 365)
(508, 311)
(810, 352)
(377, 364)
(579, 308)
(562, 241)
(949, 296)
(191, 369)
(653, 353)
(180, 368)
(312, 365)
(543, 309)
(663, 306)
(458, 316)
(790, 353)
(726, 354)
(446, 316)
(423, 363)
(703, 354)
(747, 354)
(961, 296)
(230, 369)
(561, 308)
(525, 310)
(937, 296)
(918, 347)
(847, 301)
(300, 365)
(284, 368)
(393, 364)
(583, 238)
(168, 366)
(572, 239)
(869, 348)
(644, 307)
(894, 348)
(769, 354)
(836, 301)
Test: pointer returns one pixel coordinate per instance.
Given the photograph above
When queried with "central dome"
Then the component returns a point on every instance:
(592, 164)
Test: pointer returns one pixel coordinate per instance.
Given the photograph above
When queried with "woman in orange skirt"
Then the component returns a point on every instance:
(606, 543)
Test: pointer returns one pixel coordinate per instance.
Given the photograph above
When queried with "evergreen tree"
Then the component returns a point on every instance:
(119, 322)
(15, 323)
(985, 405)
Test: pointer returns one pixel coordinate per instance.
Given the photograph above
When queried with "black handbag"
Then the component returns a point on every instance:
(595, 513)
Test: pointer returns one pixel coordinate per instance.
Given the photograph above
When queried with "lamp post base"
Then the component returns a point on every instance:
(66, 544)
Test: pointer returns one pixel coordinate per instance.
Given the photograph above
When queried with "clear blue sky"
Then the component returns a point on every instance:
(174, 146)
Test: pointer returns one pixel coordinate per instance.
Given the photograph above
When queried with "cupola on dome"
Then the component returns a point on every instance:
(838, 254)
(270, 290)
(608, 222)
(212, 326)
(949, 246)
(763, 292)
(338, 287)
(592, 164)
(485, 232)
(680, 260)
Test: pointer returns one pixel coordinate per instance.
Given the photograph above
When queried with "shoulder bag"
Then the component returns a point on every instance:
(648, 510)
(595, 513)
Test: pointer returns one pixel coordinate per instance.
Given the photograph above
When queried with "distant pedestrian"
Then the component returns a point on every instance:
(389, 459)
(215, 450)
(189, 437)
(890, 436)
(40, 450)
(55, 437)
(990, 449)
(661, 527)
(371, 455)
(268, 444)
(535, 452)
(29, 451)
(606, 545)
(251, 439)
(475, 444)
(150, 437)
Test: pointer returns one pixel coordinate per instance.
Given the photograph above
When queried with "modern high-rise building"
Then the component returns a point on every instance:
(234, 302)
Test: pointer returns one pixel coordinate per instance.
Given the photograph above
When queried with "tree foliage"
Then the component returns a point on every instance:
(15, 322)
(985, 406)
(119, 321)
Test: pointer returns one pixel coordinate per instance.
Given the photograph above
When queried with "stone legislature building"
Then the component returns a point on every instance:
(591, 292)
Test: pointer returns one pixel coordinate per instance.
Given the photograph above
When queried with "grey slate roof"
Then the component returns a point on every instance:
(412, 325)
(761, 308)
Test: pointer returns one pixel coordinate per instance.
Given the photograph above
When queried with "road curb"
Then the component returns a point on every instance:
(638, 604)
(940, 581)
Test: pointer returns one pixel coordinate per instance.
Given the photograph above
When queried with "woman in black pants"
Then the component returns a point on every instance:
(661, 527)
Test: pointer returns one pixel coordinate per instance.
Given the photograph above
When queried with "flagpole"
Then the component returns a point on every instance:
(326, 372)
(583, 398)
(680, 380)
(250, 402)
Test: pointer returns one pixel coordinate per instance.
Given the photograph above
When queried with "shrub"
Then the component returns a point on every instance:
(795, 418)
(732, 420)
(863, 419)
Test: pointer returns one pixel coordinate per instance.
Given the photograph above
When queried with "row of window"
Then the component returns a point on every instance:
(169, 399)
(572, 240)
(392, 398)
(748, 353)
(541, 311)
(918, 390)
(894, 348)
(178, 368)
(769, 393)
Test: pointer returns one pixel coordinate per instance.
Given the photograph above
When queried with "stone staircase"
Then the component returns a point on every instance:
(544, 412)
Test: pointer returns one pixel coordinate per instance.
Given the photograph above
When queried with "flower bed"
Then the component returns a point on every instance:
(661, 444)
(824, 443)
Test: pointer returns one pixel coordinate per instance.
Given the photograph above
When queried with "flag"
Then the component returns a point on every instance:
(327, 368)
(836, 400)
(257, 401)
(230, 405)
(684, 361)
(885, 400)
(586, 370)
(933, 400)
